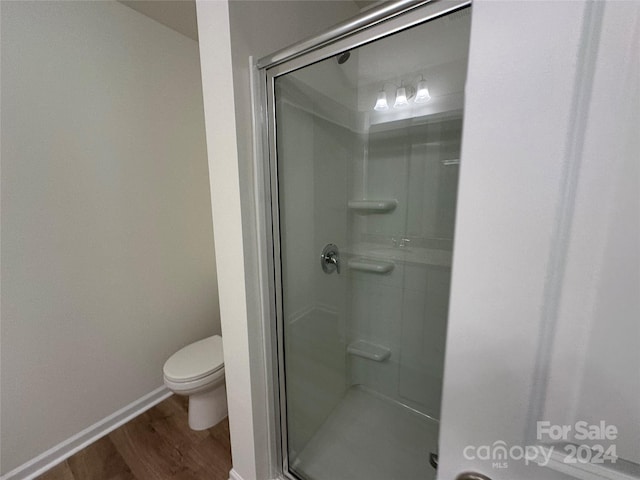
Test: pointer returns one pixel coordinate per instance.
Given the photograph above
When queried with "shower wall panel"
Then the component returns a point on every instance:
(416, 163)
(319, 151)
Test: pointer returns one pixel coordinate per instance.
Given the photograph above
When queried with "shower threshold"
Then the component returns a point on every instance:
(369, 437)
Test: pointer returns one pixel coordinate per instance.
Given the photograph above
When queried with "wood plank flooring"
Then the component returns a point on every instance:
(157, 445)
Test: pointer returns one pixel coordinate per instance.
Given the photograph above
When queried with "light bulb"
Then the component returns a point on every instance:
(401, 98)
(381, 102)
(422, 92)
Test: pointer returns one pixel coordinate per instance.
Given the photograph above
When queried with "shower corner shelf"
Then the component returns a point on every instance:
(371, 351)
(372, 206)
(372, 266)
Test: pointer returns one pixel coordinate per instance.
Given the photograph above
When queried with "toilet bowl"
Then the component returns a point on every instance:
(197, 371)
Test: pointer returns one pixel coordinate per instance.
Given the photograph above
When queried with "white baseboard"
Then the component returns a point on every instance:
(233, 475)
(65, 449)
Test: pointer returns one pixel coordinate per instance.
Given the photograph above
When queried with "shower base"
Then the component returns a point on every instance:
(368, 437)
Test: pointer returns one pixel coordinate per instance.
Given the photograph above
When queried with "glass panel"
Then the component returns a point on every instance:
(373, 186)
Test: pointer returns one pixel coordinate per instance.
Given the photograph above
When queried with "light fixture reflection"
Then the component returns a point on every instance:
(422, 92)
(381, 102)
(401, 98)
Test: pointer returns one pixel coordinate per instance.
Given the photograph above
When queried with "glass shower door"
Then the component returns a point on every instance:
(365, 178)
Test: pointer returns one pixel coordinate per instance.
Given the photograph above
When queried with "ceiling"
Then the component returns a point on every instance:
(179, 15)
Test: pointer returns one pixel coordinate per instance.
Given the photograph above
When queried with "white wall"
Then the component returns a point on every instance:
(544, 310)
(229, 34)
(107, 243)
(595, 346)
(513, 151)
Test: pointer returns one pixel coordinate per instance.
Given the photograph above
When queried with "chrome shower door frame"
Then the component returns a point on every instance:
(366, 28)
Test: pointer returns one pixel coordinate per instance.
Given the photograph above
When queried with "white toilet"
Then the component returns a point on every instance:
(197, 371)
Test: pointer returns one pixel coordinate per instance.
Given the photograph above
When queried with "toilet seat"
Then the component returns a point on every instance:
(197, 364)
(196, 386)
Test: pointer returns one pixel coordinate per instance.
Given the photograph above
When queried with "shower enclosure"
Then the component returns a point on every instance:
(364, 161)
(362, 135)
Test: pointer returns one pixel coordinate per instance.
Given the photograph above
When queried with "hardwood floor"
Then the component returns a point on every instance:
(157, 445)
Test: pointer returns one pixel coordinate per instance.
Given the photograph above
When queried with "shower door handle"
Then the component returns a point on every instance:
(330, 259)
(472, 476)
